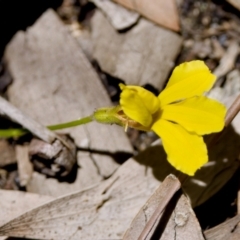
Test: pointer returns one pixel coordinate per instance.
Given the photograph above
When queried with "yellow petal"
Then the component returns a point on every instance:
(186, 151)
(138, 104)
(189, 79)
(200, 115)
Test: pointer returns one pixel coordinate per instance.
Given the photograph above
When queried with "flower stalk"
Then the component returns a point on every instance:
(75, 123)
(18, 132)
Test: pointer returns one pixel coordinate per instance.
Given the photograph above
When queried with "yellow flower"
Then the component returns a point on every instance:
(179, 115)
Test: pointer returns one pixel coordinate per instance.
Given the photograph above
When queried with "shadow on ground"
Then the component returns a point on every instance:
(213, 190)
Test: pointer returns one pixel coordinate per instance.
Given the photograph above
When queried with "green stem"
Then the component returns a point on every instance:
(75, 123)
(17, 132)
(12, 132)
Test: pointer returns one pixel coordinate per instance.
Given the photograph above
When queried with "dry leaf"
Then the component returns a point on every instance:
(105, 210)
(143, 55)
(161, 12)
(15, 203)
(70, 217)
(228, 230)
(235, 3)
(120, 17)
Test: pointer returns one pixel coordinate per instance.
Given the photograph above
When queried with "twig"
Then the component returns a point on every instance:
(232, 112)
(16, 115)
(28, 123)
(173, 186)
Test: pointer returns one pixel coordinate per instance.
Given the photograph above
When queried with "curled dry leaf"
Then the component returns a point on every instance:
(58, 156)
